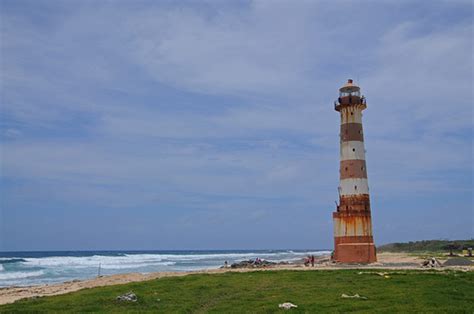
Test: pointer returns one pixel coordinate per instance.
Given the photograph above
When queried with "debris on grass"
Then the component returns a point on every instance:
(382, 274)
(287, 305)
(130, 297)
(355, 296)
(431, 262)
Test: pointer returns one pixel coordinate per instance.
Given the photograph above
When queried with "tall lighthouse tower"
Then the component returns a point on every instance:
(353, 239)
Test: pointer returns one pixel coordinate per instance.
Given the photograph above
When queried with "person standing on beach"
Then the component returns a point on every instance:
(312, 260)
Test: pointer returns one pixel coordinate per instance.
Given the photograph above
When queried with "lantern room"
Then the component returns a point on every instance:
(349, 94)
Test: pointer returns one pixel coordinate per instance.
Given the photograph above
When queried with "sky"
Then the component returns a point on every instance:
(211, 124)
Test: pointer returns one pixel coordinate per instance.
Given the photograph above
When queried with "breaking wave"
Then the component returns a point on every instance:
(9, 260)
(144, 260)
(105, 262)
(20, 275)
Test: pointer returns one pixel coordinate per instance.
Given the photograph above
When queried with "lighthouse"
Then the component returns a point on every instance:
(353, 238)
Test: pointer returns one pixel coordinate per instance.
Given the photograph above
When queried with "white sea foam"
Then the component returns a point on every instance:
(136, 265)
(231, 256)
(1, 267)
(145, 260)
(20, 274)
(105, 262)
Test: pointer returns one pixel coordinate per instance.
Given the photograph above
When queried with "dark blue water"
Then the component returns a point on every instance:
(33, 268)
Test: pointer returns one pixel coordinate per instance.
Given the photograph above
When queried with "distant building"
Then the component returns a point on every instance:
(353, 239)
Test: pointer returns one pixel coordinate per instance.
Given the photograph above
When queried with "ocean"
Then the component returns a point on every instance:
(35, 268)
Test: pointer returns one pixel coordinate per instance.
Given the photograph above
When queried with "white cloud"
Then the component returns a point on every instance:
(230, 52)
(422, 82)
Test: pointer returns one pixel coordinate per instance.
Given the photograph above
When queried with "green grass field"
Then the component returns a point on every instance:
(261, 292)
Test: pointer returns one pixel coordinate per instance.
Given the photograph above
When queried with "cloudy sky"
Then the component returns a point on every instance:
(211, 124)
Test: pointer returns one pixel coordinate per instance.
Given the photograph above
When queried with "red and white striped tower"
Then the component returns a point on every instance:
(353, 239)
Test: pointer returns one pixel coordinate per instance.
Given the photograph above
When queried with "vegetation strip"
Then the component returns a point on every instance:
(311, 291)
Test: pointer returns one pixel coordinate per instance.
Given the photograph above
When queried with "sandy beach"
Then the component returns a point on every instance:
(385, 261)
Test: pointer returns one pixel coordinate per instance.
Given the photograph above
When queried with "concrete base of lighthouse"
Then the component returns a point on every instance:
(353, 240)
(360, 253)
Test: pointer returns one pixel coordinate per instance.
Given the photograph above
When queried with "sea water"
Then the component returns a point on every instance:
(34, 268)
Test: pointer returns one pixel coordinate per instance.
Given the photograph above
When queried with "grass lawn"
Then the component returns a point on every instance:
(312, 291)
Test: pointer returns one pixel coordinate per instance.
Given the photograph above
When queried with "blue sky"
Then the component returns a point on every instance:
(210, 125)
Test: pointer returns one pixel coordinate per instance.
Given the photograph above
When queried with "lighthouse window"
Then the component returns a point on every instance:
(353, 149)
(355, 187)
(346, 168)
(353, 93)
(352, 113)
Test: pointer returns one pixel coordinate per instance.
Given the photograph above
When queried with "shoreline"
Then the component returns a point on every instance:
(386, 261)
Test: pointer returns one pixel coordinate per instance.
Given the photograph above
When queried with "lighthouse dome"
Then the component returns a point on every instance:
(349, 89)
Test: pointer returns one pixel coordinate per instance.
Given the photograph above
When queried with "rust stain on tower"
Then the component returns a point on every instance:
(353, 239)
